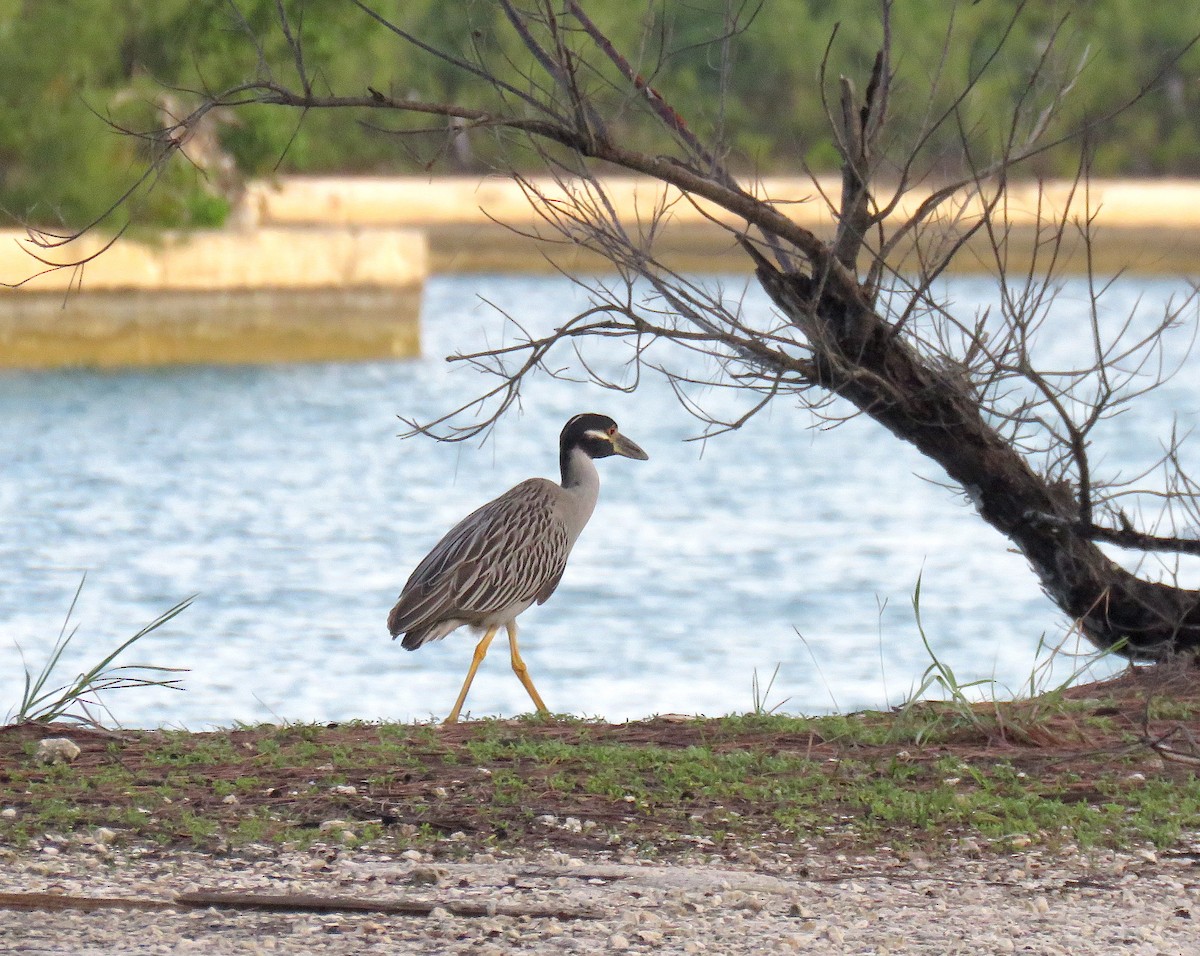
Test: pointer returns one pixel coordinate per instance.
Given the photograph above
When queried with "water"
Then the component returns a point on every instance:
(282, 498)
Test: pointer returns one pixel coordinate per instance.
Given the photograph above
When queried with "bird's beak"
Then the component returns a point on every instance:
(624, 446)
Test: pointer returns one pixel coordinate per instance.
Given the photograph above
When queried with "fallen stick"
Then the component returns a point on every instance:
(64, 901)
(306, 901)
(288, 902)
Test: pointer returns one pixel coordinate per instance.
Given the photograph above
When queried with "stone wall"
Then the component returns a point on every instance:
(222, 260)
(451, 200)
(231, 296)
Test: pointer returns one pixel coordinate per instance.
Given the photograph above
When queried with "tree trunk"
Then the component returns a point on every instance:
(859, 356)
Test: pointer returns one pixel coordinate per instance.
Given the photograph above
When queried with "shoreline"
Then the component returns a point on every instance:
(332, 268)
(476, 200)
(936, 828)
(375, 232)
(1147, 227)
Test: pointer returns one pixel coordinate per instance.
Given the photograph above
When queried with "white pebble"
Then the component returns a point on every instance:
(54, 750)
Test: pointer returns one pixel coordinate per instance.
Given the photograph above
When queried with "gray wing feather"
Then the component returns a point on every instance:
(550, 586)
(511, 550)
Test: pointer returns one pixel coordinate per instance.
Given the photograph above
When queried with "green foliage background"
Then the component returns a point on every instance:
(77, 72)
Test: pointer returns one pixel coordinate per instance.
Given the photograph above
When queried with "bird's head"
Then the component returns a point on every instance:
(597, 436)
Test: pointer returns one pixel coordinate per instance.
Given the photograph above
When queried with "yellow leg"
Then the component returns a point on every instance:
(521, 670)
(481, 650)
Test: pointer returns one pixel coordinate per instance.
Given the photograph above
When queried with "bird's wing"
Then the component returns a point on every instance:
(509, 551)
(551, 586)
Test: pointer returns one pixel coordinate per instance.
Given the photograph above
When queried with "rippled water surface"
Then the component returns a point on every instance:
(282, 498)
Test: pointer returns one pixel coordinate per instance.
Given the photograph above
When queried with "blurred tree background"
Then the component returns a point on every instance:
(78, 72)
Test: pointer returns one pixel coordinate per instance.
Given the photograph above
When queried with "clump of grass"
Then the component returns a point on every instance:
(761, 694)
(995, 711)
(940, 676)
(43, 702)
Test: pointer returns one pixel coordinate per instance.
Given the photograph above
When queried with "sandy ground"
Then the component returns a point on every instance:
(1136, 902)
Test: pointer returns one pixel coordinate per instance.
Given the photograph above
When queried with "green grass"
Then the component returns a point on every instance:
(80, 698)
(1073, 768)
(1062, 767)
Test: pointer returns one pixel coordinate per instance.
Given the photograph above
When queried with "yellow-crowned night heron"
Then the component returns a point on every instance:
(502, 557)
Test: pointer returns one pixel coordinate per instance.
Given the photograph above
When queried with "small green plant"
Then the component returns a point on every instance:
(939, 675)
(1042, 683)
(761, 694)
(43, 702)
(999, 710)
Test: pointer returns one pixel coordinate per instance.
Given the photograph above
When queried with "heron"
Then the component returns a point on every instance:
(508, 554)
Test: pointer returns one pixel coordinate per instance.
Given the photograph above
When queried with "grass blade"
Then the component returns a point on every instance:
(38, 704)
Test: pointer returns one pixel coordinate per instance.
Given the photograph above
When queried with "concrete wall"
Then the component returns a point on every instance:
(1168, 203)
(1143, 226)
(222, 260)
(137, 328)
(231, 296)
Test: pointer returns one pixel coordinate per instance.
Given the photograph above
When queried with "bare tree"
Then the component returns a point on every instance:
(857, 317)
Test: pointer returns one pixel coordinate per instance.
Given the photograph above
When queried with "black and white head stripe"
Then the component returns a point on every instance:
(596, 436)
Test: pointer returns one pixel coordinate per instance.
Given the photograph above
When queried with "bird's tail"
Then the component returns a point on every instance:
(397, 625)
(412, 640)
(417, 632)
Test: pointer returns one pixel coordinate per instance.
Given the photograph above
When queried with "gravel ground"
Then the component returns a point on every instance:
(1138, 902)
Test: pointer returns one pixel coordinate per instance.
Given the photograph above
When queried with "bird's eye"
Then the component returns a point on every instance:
(612, 429)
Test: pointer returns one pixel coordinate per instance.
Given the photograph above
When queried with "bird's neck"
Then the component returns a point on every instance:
(579, 472)
(581, 482)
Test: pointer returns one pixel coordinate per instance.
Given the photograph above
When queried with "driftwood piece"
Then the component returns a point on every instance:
(65, 901)
(291, 902)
